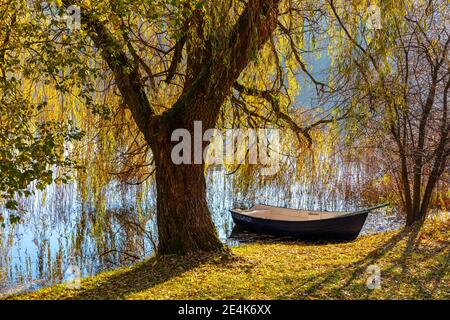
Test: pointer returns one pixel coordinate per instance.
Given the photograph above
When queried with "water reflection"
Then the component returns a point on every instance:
(60, 230)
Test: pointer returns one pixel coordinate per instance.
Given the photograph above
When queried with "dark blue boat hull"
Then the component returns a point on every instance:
(346, 227)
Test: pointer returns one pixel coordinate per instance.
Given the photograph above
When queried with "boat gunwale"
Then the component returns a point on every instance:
(340, 216)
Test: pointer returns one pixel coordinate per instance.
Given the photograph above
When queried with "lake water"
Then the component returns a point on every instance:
(61, 231)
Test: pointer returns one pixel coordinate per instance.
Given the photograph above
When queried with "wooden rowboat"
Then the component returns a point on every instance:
(331, 225)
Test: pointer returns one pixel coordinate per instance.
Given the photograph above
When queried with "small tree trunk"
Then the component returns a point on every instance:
(183, 217)
(410, 218)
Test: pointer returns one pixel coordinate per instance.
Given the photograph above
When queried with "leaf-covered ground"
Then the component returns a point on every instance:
(414, 265)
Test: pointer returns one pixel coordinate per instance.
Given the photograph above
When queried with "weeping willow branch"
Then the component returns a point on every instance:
(137, 58)
(177, 55)
(319, 85)
(127, 76)
(270, 97)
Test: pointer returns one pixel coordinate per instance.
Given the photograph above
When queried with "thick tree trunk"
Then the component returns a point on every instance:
(184, 220)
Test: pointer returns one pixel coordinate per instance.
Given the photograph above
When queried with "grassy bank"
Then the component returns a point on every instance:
(414, 265)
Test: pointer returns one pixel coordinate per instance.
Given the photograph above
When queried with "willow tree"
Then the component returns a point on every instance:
(214, 61)
(138, 70)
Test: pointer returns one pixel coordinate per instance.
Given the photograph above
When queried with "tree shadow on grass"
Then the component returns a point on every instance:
(426, 284)
(146, 275)
(358, 267)
(338, 282)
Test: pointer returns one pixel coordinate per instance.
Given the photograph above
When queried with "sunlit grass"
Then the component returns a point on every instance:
(414, 265)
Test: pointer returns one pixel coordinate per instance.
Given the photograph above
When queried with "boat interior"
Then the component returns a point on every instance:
(286, 214)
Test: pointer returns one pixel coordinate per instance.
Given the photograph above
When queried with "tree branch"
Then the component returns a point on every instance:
(126, 74)
(272, 99)
(177, 55)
